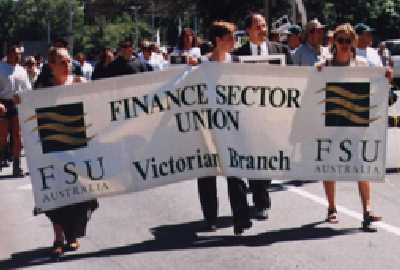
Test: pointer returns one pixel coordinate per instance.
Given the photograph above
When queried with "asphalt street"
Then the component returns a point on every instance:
(162, 229)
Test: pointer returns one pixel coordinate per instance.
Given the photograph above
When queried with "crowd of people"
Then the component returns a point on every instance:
(312, 46)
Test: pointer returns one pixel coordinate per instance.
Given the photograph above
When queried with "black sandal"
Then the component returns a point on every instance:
(369, 218)
(332, 216)
(57, 251)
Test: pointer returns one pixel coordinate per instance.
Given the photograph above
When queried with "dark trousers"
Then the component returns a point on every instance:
(259, 189)
(207, 187)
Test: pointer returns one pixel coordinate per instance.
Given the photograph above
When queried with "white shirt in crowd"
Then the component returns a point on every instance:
(194, 52)
(371, 55)
(13, 80)
(156, 60)
(263, 47)
(87, 70)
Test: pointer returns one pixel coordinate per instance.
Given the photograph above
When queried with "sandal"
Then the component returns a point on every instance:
(367, 222)
(332, 216)
(57, 251)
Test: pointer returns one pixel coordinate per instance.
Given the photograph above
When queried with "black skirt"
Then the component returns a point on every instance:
(73, 218)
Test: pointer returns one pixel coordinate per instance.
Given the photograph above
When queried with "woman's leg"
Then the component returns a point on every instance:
(330, 192)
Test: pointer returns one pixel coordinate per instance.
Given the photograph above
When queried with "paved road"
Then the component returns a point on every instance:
(161, 229)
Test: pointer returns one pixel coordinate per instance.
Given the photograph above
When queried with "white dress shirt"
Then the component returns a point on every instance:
(254, 48)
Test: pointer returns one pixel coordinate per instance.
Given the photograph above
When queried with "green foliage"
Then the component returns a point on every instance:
(114, 19)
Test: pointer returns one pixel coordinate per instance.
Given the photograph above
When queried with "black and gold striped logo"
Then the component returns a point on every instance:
(347, 105)
(61, 128)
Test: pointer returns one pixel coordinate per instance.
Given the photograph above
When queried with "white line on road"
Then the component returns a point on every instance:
(25, 187)
(389, 228)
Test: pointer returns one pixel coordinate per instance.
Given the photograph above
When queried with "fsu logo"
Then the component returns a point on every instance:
(347, 105)
(61, 128)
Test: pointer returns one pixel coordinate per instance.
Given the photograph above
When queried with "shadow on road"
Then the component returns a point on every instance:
(181, 237)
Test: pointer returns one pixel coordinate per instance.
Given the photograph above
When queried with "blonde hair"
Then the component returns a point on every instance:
(347, 29)
(54, 53)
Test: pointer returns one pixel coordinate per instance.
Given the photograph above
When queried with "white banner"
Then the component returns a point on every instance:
(257, 121)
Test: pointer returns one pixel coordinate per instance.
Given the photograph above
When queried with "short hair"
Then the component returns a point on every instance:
(80, 55)
(220, 29)
(125, 42)
(53, 53)
(187, 31)
(248, 21)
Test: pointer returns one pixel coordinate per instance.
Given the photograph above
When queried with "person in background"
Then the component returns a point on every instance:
(126, 63)
(39, 62)
(343, 54)
(221, 36)
(329, 39)
(310, 51)
(86, 67)
(384, 53)
(188, 47)
(293, 38)
(364, 44)
(101, 68)
(69, 222)
(31, 68)
(151, 56)
(13, 81)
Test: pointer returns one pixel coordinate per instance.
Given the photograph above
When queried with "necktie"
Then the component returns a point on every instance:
(258, 50)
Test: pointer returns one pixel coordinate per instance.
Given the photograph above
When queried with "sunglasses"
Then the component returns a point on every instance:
(315, 30)
(342, 41)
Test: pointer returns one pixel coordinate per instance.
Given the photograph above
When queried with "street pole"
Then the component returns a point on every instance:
(70, 28)
(267, 12)
(136, 29)
(294, 12)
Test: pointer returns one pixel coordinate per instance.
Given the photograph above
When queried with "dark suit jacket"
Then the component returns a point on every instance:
(273, 48)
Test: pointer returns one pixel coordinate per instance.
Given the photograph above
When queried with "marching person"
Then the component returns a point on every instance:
(105, 59)
(364, 44)
(258, 44)
(310, 51)
(69, 222)
(293, 38)
(13, 80)
(221, 36)
(126, 63)
(343, 54)
(188, 46)
(86, 67)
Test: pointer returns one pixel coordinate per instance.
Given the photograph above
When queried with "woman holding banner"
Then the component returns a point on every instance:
(187, 48)
(221, 36)
(343, 54)
(69, 222)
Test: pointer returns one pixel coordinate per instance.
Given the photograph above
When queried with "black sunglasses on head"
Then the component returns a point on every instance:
(342, 40)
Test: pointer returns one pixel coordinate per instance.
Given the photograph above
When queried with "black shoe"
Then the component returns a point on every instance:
(57, 251)
(210, 227)
(369, 218)
(238, 229)
(260, 214)
(18, 172)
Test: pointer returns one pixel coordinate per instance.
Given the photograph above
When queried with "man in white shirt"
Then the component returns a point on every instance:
(13, 81)
(257, 30)
(87, 68)
(364, 48)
